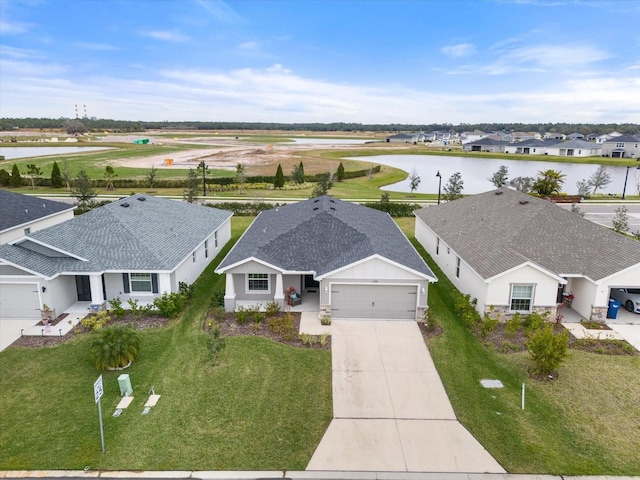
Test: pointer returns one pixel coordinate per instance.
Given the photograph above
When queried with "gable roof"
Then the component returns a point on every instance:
(624, 139)
(135, 233)
(17, 209)
(488, 141)
(501, 229)
(576, 144)
(322, 235)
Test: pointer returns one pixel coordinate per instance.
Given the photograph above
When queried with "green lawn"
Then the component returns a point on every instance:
(265, 407)
(585, 423)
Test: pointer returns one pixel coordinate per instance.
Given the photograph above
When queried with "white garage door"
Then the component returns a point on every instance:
(19, 300)
(394, 302)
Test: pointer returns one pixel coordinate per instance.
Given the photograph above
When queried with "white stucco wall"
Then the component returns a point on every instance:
(584, 296)
(40, 224)
(545, 287)
(61, 293)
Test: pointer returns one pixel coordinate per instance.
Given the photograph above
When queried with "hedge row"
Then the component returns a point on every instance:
(244, 209)
(395, 209)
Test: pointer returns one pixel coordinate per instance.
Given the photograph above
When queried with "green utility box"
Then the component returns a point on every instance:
(125, 385)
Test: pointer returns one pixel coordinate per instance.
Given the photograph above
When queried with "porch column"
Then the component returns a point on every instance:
(229, 293)
(279, 290)
(164, 283)
(95, 281)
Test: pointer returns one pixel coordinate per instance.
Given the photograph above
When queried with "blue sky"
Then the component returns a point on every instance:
(322, 61)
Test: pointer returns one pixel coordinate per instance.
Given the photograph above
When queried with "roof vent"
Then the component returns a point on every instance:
(332, 208)
(315, 208)
(524, 202)
(141, 199)
(332, 200)
(316, 200)
(499, 192)
(26, 210)
(125, 205)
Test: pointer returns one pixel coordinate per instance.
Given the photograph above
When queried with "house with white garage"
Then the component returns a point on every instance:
(517, 253)
(137, 248)
(352, 261)
(574, 148)
(622, 146)
(23, 214)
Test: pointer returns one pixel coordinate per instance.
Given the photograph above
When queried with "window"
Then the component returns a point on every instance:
(258, 282)
(457, 267)
(521, 297)
(27, 230)
(437, 245)
(215, 239)
(206, 249)
(141, 282)
(620, 145)
(193, 257)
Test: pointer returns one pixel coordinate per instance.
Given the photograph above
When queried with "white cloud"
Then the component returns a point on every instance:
(250, 45)
(98, 47)
(166, 35)
(8, 27)
(220, 10)
(19, 53)
(459, 50)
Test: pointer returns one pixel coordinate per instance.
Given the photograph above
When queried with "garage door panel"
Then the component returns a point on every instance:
(19, 300)
(374, 301)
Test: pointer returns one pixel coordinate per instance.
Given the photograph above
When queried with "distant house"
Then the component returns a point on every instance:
(520, 136)
(554, 136)
(574, 148)
(516, 253)
(575, 136)
(532, 146)
(347, 260)
(401, 137)
(623, 146)
(474, 136)
(22, 214)
(134, 248)
(485, 145)
(607, 136)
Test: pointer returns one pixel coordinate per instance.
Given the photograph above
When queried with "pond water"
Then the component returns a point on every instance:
(11, 153)
(476, 171)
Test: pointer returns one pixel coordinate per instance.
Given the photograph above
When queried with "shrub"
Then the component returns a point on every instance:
(308, 339)
(96, 321)
(218, 313)
(465, 308)
(241, 315)
(217, 299)
(324, 338)
(324, 320)
(215, 342)
(533, 322)
(512, 325)
(489, 324)
(272, 308)
(283, 326)
(185, 289)
(115, 307)
(430, 320)
(547, 349)
(169, 305)
(114, 347)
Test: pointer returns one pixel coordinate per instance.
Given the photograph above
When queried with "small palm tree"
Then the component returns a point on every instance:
(114, 347)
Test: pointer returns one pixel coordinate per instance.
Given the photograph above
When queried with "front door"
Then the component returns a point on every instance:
(310, 285)
(83, 287)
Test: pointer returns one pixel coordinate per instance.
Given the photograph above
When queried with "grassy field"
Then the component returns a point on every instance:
(585, 423)
(265, 407)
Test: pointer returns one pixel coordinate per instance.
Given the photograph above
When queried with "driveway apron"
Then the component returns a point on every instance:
(390, 409)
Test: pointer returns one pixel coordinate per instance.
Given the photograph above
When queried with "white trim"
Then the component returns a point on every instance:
(50, 247)
(604, 279)
(257, 292)
(527, 264)
(376, 256)
(4, 261)
(31, 222)
(531, 298)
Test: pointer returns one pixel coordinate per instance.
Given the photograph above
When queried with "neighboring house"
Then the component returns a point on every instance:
(134, 248)
(575, 136)
(521, 136)
(517, 253)
(401, 137)
(554, 136)
(622, 146)
(474, 136)
(353, 261)
(529, 147)
(485, 145)
(23, 214)
(574, 148)
(607, 136)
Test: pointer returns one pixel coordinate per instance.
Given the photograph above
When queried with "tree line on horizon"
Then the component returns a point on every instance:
(82, 125)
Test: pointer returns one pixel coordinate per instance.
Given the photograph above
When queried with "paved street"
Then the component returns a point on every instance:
(603, 213)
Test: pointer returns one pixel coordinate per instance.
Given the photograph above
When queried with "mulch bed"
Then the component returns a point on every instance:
(55, 321)
(231, 328)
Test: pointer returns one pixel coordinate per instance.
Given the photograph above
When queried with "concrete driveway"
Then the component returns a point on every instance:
(391, 412)
(11, 329)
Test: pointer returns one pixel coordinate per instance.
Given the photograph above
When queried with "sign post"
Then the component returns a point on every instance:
(97, 392)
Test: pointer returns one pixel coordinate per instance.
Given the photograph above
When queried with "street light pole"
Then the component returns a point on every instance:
(626, 176)
(440, 185)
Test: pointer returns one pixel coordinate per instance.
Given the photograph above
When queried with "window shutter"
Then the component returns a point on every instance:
(154, 282)
(125, 282)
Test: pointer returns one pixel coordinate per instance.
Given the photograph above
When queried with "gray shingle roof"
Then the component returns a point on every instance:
(321, 235)
(576, 144)
(495, 232)
(17, 209)
(624, 139)
(488, 141)
(149, 234)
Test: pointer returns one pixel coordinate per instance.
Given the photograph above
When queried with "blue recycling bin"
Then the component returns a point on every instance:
(614, 306)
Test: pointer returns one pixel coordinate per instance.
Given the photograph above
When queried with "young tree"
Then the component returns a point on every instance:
(5, 178)
(83, 191)
(620, 220)
(501, 177)
(576, 209)
(109, 175)
(324, 184)
(56, 176)
(453, 188)
(16, 178)
(297, 174)
(340, 172)
(547, 349)
(66, 175)
(240, 178)
(151, 176)
(202, 171)
(414, 180)
(192, 186)
(584, 188)
(33, 171)
(74, 127)
(600, 178)
(549, 182)
(521, 184)
(278, 181)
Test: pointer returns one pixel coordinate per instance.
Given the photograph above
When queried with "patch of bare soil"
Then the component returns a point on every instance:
(266, 328)
(429, 332)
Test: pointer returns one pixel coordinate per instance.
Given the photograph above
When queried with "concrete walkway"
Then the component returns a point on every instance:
(391, 412)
